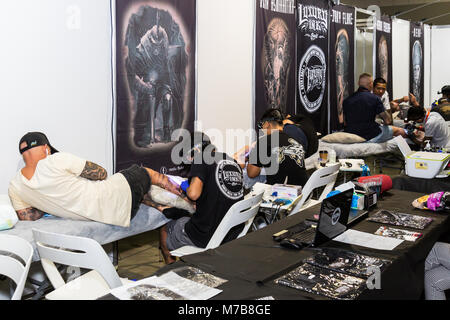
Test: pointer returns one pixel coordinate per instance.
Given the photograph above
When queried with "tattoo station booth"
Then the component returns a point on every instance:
(94, 76)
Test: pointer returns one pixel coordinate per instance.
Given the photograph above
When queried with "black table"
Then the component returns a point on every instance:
(250, 264)
(424, 186)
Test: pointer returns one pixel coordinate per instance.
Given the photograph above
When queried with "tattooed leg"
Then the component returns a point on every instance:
(30, 214)
(163, 181)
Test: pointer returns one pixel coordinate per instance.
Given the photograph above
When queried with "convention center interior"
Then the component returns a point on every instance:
(252, 151)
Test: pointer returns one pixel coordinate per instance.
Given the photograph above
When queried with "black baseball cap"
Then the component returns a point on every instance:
(445, 90)
(35, 139)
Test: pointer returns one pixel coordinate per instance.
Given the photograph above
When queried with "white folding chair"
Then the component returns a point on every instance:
(11, 267)
(242, 211)
(322, 177)
(78, 252)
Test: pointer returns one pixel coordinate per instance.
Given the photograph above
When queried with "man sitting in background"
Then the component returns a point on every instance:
(379, 89)
(360, 111)
(67, 186)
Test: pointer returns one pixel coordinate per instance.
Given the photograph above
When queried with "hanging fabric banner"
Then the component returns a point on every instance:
(155, 80)
(312, 61)
(342, 61)
(384, 52)
(416, 70)
(275, 56)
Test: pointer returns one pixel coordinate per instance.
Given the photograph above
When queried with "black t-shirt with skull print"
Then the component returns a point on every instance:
(222, 187)
(281, 159)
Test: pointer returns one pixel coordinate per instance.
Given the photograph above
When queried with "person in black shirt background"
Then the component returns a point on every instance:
(277, 155)
(215, 184)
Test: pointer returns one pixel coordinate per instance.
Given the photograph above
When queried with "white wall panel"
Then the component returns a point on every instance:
(55, 77)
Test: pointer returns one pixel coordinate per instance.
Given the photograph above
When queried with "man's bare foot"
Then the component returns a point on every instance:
(168, 259)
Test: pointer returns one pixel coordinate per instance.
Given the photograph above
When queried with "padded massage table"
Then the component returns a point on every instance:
(359, 150)
(146, 219)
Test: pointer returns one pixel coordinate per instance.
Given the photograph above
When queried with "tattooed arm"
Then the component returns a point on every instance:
(30, 214)
(93, 171)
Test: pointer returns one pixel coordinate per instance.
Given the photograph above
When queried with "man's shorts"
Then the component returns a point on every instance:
(139, 182)
(386, 134)
(176, 236)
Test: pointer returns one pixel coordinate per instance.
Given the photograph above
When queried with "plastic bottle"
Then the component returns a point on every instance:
(428, 146)
(332, 156)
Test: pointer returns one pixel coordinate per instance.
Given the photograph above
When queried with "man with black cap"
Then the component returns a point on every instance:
(67, 186)
(435, 127)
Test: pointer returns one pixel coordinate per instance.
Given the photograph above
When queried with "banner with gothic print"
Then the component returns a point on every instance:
(155, 80)
(416, 69)
(312, 61)
(384, 52)
(342, 61)
(275, 56)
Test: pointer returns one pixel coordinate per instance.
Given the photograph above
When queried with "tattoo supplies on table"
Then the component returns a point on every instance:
(398, 233)
(286, 191)
(427, 165)
(369, 197)
(436, 201)
(400, 219)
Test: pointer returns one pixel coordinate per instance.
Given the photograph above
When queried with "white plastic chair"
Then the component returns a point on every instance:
(325, 176)
(242, 211)
(78, 252)
(11, 267)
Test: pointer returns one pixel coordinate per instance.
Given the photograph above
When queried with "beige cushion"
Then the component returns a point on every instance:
(343, 137)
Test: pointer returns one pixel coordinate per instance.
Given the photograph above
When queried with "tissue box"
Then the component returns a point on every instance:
(286, 190)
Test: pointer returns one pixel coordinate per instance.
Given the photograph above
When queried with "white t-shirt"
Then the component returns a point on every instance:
(436, 127)
(57, 188)
(385, 100)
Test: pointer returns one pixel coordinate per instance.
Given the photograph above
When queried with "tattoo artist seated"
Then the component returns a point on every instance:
(301, 128)
(278, 156)
(215, 183)
(435, 129)
(67, 186)
(361, 110)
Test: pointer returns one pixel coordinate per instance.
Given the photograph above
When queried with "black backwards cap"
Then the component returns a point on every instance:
(35, 139)
(445, 90)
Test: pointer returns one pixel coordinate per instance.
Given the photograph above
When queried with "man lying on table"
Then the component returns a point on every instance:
(67, 186)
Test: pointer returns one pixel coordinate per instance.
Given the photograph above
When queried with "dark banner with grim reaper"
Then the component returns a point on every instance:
(416, 70)
(312, 61)
(275, 56)
(155, 79)
(384, 52)
(342, 62)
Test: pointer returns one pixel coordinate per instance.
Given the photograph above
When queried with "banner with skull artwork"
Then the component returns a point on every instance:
(383, 64)
(275, 56)
(416, 74)
(312, 61)
(342, 57)
(155, 80)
